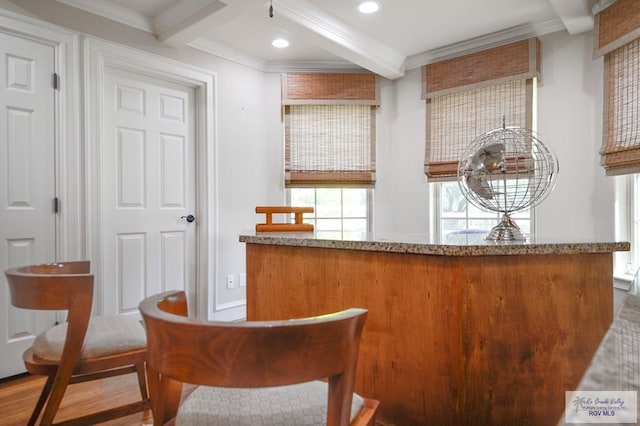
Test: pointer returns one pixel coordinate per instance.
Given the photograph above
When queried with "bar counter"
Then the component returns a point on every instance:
(462, 331)
(452, 245)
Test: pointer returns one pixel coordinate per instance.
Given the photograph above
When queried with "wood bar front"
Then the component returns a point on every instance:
(450, 340)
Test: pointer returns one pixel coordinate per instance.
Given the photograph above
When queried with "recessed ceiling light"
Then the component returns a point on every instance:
(369, 7)
(280, 43)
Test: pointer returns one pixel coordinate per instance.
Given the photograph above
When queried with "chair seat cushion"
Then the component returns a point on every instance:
(303, 404)
(106, 335)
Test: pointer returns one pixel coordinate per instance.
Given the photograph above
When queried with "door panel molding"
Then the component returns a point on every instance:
(70, 233)
(56, 236)
(99, 55)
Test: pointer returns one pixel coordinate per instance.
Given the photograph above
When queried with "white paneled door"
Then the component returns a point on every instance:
(27, 183)
(148, 188)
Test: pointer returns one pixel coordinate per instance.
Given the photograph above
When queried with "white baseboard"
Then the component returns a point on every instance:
(233, 311)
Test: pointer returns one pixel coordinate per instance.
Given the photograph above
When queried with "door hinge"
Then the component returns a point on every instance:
(56, 81)
(56, 205)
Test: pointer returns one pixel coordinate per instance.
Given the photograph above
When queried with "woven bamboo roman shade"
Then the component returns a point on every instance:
(616, 26)
(329, 89)
(472, 94)
(618, 39)
(329, 122)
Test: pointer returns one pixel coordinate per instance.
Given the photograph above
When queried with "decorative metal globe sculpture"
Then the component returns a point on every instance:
(507, 170)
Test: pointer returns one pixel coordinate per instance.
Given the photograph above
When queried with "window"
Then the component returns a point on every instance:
(633, 262)
(472, 94)
(329, 137)
(618, 40)
(466, 97)
(476, 111)
(627, 224)
(339, 213)
(329, 129)
(453, 213)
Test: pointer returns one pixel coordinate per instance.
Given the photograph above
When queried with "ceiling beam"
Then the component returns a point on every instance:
(576, 15)
(189, 20)
(327, 32)
(113, 11)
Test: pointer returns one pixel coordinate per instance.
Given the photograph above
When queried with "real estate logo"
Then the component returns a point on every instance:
(601, 407)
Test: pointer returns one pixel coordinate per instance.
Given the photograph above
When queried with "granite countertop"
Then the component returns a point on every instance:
(472, 244)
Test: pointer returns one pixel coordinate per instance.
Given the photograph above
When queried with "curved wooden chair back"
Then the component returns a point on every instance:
(58, 285)
(69, 286)
(248, 354)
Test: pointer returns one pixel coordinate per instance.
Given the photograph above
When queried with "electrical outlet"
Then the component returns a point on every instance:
(243, 280)
(231, 281)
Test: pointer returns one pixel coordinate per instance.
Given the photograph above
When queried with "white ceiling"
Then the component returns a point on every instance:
(324, 34)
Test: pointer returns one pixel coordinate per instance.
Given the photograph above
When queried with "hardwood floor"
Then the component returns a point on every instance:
(18, 396)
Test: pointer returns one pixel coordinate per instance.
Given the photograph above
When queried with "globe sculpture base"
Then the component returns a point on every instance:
(506, 230)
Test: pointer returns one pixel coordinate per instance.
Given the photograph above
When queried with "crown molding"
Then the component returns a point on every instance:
(312, 66)
(225, 52)
(488, 41)
(233, 55)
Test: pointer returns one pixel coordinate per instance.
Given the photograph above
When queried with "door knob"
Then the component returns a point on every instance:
(190, 218)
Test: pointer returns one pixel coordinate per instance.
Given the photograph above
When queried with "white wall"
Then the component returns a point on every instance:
(401, 194)
(250, 156)
(570, 121)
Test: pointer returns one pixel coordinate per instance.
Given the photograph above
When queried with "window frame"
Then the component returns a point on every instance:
(627, 227)
(435, 224)
(369, 205)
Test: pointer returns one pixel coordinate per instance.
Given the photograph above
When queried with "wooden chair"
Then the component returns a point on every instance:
(82, 349)
(284, 359)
